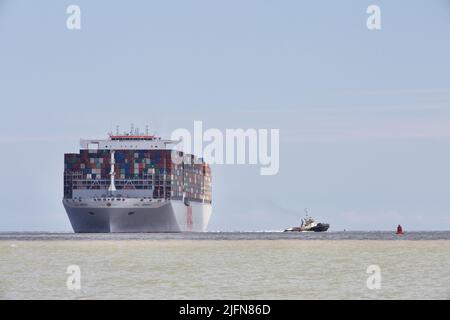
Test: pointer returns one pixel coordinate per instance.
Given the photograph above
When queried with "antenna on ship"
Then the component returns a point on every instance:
(146, 130)
(117, 130)
(132, 129)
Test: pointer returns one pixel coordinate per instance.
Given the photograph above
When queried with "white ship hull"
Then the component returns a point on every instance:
(136, 215)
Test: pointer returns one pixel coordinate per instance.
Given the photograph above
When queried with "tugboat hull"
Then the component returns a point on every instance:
(320, 227)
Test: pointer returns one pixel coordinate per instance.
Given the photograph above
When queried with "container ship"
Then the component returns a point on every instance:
(130, 183)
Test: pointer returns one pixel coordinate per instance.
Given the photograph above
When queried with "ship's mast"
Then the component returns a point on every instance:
(112, 186)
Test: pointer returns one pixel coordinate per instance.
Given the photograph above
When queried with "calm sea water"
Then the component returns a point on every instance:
(259, 265)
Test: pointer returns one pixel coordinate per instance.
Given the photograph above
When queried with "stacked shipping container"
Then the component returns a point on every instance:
(138, 169)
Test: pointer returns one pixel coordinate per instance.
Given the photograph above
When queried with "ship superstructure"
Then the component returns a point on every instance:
(132, 183)
(309, 224)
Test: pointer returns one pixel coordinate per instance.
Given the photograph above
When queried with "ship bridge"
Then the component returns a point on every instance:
(126, 142)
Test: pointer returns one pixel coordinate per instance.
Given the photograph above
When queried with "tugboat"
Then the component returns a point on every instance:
(308, 224)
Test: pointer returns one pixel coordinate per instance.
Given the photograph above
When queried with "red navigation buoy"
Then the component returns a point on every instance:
(399, 229)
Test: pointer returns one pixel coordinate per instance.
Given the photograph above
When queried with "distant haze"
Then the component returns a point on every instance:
(364, 116)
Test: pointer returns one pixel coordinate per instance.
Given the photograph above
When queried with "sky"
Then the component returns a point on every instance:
(364, 115)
